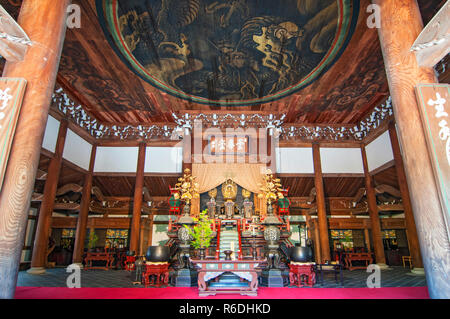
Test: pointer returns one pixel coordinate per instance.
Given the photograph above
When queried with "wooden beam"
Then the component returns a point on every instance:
(401, 24)
(38, 260)
(66, 206)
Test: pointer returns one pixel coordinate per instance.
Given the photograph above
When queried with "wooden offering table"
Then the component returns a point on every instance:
(302, 274)
(350, 257)
(209, 269)
(90, 257)
(156, 274)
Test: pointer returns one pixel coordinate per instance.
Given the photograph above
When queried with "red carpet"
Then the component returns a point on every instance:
(192, 293)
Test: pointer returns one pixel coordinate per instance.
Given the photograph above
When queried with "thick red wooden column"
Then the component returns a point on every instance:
(187, 152)
(413, 240)
(39, 257)
(137, 203)
(401, 24)
(321, 208)
(80, 235)
(378, 247)
(39, 68)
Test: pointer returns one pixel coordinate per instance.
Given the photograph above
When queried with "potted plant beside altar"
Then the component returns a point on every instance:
(201, 233)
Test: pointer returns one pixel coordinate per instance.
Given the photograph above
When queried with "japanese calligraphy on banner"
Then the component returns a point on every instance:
(228, 145)
(434, 105)
(11, 95)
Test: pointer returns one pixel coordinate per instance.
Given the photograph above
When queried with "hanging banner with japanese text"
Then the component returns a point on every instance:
(11, 94)
(434, 105)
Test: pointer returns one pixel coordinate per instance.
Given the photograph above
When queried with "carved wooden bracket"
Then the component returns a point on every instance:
(37, 197)
(69, 188)
(312, 196)
(388, 189)
(359, 195)
(41, 175)
(98, 194)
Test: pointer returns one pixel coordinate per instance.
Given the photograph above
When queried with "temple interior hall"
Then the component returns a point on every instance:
(200, 149)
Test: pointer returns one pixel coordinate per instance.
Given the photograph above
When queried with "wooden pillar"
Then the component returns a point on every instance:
(321, 208)
(137, 202)
(373, 213)
(80, 235)
(187, 152)
(413, 240)
(39, 256)
(150, 231)
(39, 68)
(317, 249)
(271, 156)
(401, 24)
(367, 239)
(141, 238)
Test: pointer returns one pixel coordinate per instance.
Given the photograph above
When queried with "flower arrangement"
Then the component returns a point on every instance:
(270, 188)
(187, 187)
(202, 232)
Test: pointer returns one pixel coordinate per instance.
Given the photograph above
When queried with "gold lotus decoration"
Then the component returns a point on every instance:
(187, 187)
(270, 188)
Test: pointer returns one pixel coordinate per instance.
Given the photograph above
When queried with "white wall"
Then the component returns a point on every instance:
(294, 160)
(77, 150)
(341, 160)
(51, 134)
(379, 151)
(163, 160)
(116, 159)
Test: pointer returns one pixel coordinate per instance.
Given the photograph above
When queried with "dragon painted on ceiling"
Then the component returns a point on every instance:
(228, 53)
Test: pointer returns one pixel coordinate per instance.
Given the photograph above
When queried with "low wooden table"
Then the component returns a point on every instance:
(211, 268)
(156, 274)
(351, 257)
(299, 271)
(407, 259)
(336, 268)
(90, 257)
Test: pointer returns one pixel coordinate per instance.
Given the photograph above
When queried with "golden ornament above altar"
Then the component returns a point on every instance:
(187, 187)
(229, 189)
(270, 188)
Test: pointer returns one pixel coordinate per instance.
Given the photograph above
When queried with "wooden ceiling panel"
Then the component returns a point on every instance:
(159, 185)
(69, 175)
(342, 186)
(115, 185)
(388, 177)
(298, 186)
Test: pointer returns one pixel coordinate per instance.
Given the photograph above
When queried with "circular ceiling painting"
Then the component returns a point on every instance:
(228, 53)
